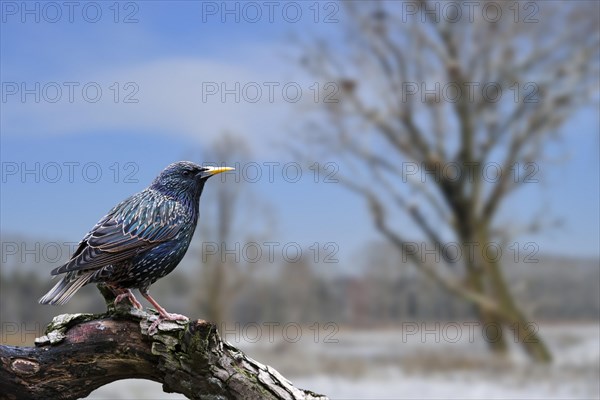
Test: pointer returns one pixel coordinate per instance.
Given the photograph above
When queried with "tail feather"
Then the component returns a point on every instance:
(66, 288)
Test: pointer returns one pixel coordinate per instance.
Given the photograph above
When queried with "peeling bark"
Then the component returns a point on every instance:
(81, 352)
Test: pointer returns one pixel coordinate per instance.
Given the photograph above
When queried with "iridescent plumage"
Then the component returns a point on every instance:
(140, 240)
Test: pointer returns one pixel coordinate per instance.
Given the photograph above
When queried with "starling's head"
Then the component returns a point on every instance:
(185, 177)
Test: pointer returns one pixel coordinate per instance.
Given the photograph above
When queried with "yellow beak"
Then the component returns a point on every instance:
(210, 171)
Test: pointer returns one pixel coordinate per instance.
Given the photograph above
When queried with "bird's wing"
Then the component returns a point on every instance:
(136, 224)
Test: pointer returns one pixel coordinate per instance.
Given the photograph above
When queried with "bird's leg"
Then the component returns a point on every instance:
(127, 293)
(118, 294)
(163, 314)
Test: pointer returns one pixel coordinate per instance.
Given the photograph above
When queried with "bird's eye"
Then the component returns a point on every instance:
(186, 173)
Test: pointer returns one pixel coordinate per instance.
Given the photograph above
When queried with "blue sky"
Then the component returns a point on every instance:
(166, 56)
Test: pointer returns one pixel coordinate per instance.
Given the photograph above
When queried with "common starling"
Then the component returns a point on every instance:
(140, 240)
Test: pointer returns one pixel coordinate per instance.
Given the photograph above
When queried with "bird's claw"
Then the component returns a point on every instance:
(131, 298)
(165, 317)
(136, 304)
(175, 317)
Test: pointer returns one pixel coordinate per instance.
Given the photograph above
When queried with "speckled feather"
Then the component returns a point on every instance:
(140, 240)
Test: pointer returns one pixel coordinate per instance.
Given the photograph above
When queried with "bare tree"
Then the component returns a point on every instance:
(420, 89)
(233, 216)
(298, 283)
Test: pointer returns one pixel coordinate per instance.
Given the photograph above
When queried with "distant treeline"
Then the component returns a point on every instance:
(383, 291)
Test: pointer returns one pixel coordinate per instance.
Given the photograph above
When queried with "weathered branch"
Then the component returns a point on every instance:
(81, 352)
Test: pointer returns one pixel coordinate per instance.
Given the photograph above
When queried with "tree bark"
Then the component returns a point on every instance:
(525, 332)
(81, 352)
(497, 344)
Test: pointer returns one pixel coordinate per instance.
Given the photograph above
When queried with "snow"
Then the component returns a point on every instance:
(384, 364)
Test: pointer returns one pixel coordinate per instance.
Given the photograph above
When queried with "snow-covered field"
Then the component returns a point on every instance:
(436, 363)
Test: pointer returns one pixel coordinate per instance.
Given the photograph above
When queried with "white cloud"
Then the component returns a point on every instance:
(170, 98)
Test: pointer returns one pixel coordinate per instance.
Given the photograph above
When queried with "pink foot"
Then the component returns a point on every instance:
(131, 298)
(165, 317)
